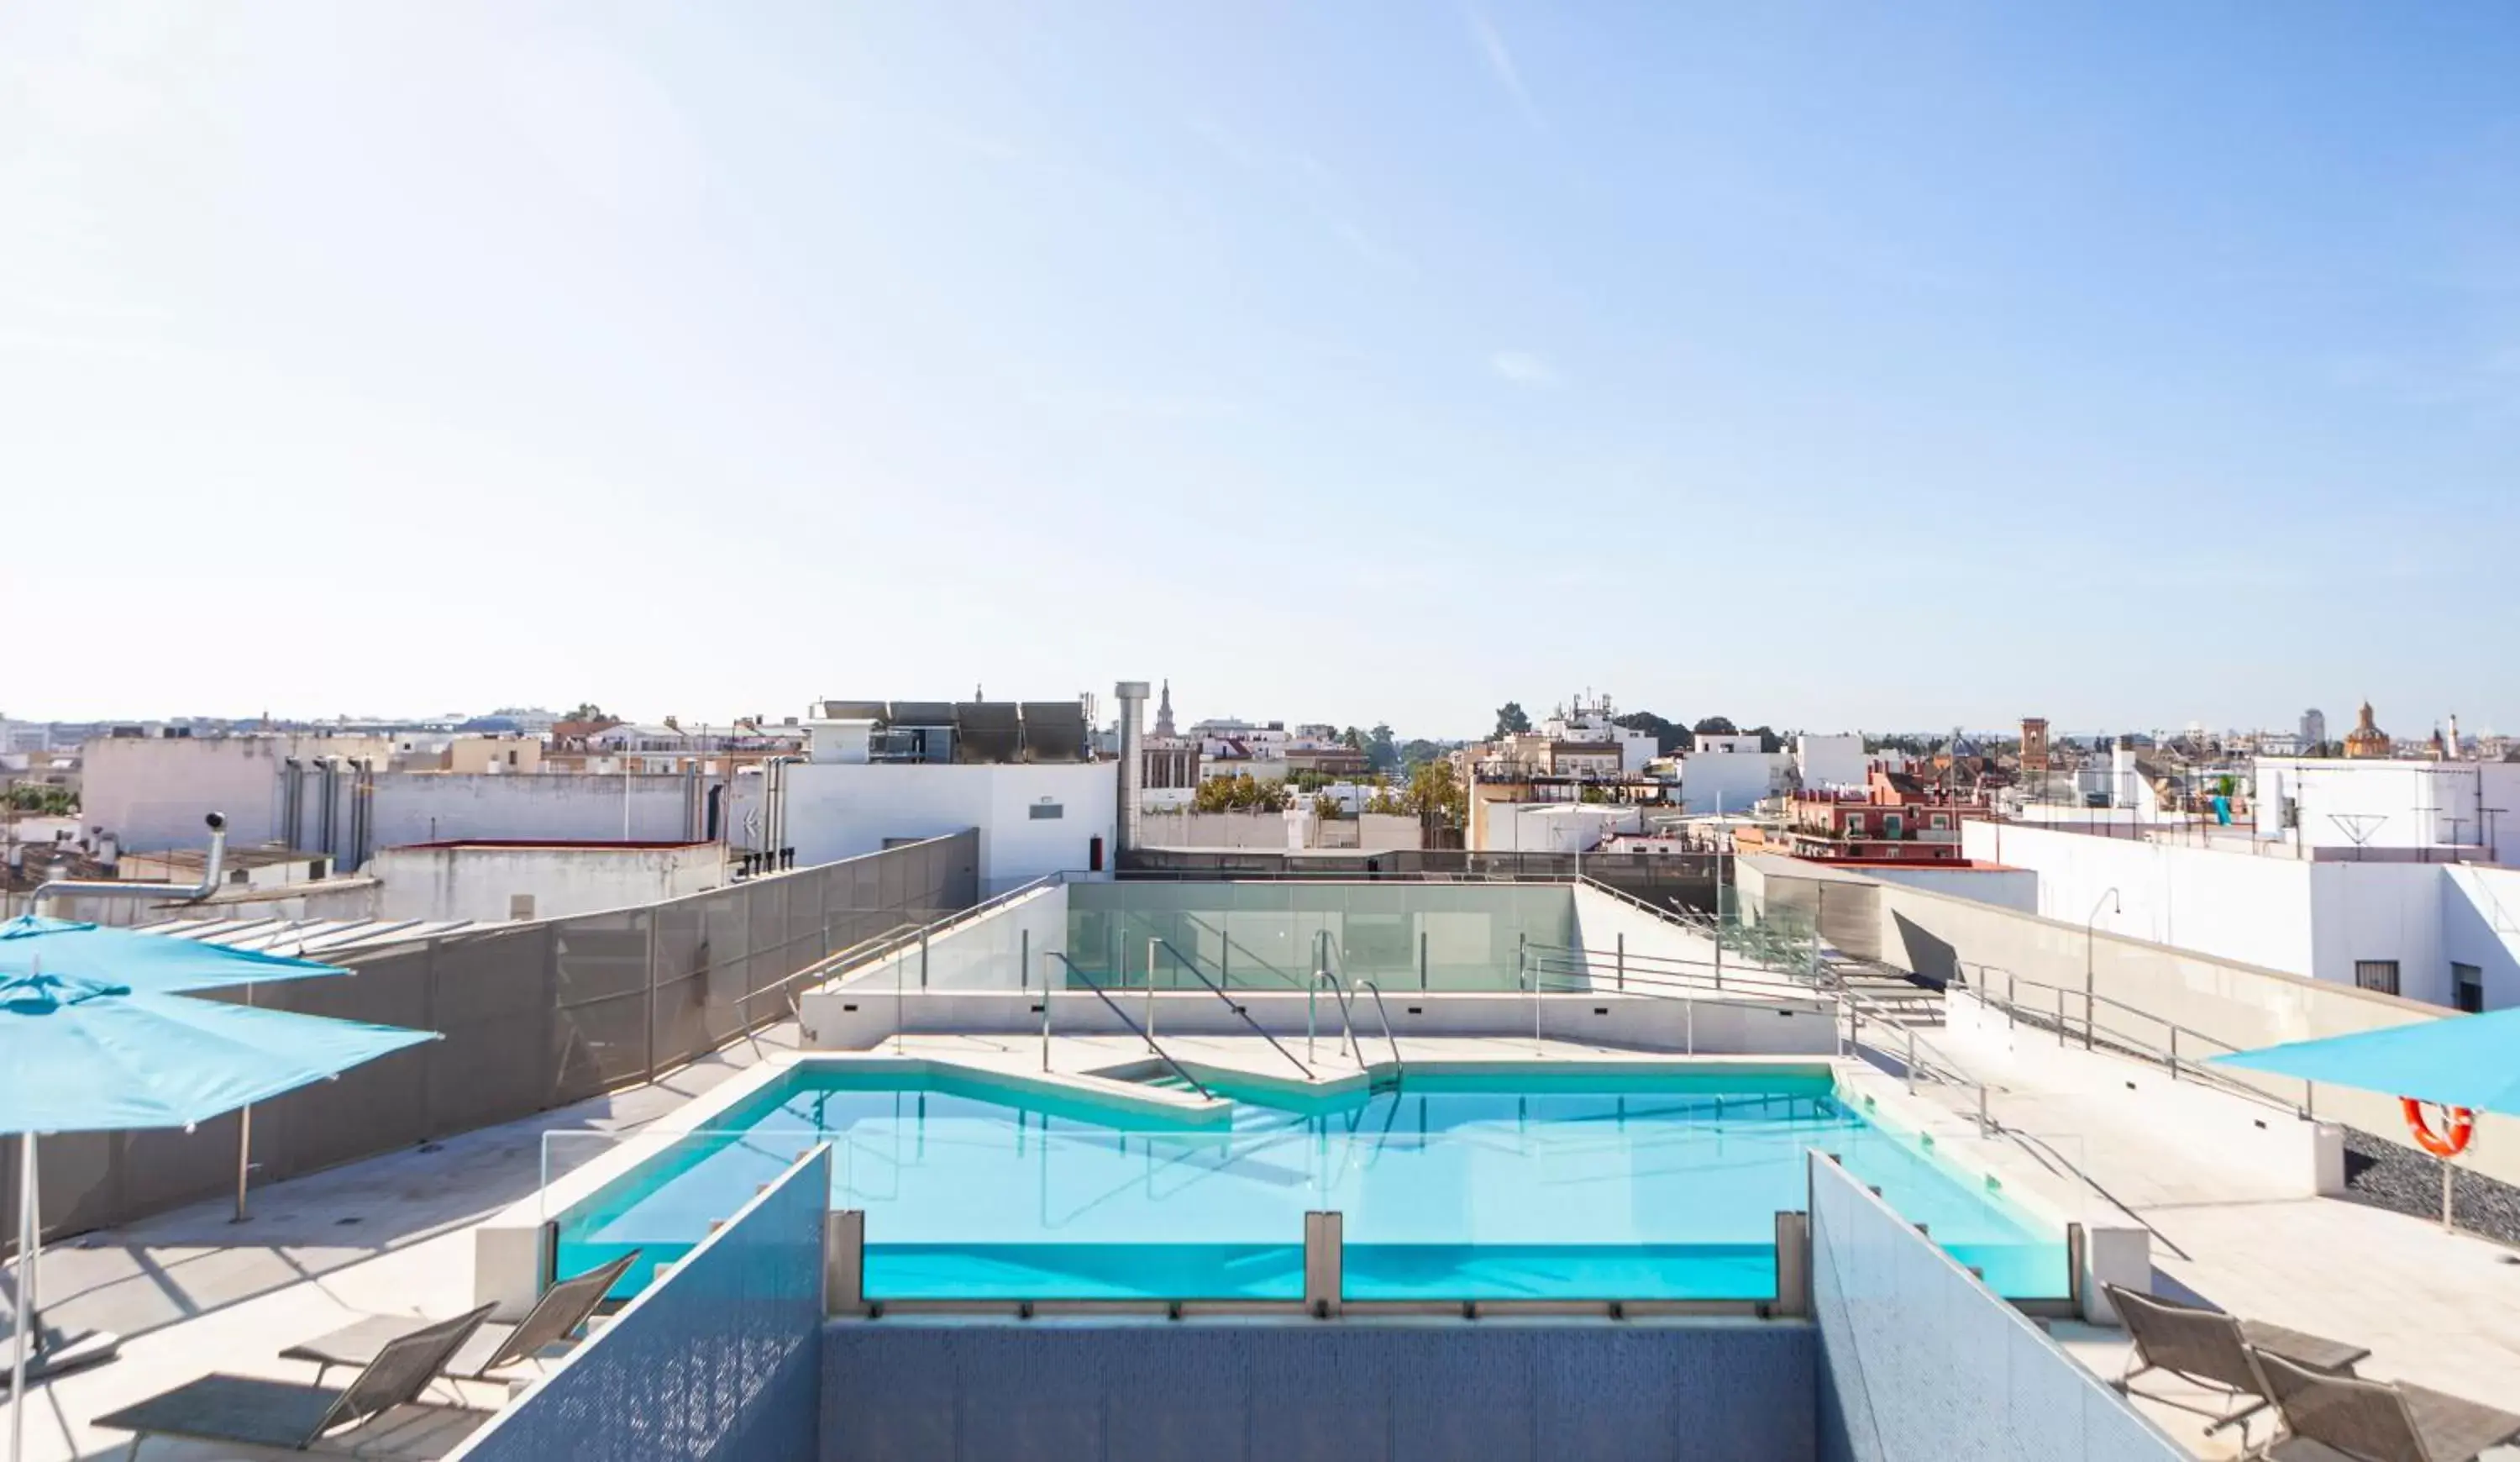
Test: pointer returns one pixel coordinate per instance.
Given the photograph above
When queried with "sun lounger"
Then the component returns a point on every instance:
(494, 1348)
(2212, 1349)
(2331, 1418)
(255, 1412)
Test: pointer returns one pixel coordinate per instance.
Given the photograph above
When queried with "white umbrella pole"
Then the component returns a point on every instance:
(25, 1280)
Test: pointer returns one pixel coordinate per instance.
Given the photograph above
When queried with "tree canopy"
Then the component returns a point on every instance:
(1241, 793)
(1512, 720)
(1437, 795)
(1381, 754)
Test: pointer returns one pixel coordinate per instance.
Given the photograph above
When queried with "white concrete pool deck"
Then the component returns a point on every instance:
(195, 1294)
(2437, 1308)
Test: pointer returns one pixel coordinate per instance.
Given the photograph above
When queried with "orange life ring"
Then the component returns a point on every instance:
(2462, 1126)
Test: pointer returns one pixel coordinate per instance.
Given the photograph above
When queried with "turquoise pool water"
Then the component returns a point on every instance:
(1528, 1185)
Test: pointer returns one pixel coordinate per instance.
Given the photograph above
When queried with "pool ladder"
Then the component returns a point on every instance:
(1399, 1068)
(1347, 1022)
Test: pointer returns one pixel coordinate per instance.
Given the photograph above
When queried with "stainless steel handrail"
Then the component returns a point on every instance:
(846, 961)
(1183, 962)
(1347, 1016)
(1229, 944)
(2168, 1056)
(1399, 1068)
(1105, 997)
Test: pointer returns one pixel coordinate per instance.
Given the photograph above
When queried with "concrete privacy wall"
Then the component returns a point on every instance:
(2007, 888)
(2481, 927)
(1375, 832)
(915, 1391)
(721, 1362)
(1034, 818)
(492, 882)
(2241, 1006)
(560, 807)
(1920, 1360)
(534, 1016)
(152, 792)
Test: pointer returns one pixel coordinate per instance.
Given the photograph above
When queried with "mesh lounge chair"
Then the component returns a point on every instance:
(493, 1347)
(255, 1412)
(2212, 1349)
(2330, 1418)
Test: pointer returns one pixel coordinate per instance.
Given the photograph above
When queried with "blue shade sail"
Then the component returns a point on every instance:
(2458, 1061)
(80, 1055)
(145, 961)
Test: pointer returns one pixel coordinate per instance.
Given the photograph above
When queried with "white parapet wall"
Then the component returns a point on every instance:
(2215, 1125)
(862, 1016)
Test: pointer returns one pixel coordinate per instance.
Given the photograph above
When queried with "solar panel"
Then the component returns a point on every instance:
(1053, 731)
(987, 731)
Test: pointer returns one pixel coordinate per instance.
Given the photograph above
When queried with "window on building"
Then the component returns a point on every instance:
(1942, 820)
(1892, 823)
(1041, 811)
(2376, 974)
(1855, 825)
(2467, 987)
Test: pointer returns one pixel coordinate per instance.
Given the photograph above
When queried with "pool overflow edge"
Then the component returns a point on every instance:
(844, 1294)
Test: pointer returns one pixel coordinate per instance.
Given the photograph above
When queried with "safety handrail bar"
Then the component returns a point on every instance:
(1756, 979)
(1184, 962)
(1399, 1068)
(1231, 944)
(1106, 997)
(1917, 1055)
(819, 969)
(1637, 965)
(1705, 994)
(1347, 1016)
(2133, 1042)
(1667, 915)
(830, 966)
(1986, 991)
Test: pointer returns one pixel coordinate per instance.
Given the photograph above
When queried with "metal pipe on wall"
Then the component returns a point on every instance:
(1132, 780)
(293, 792)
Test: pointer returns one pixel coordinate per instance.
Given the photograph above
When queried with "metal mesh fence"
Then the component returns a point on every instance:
(534, 1016)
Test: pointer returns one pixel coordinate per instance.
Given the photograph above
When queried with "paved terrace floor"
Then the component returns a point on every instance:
(2437, 1308)
(193, 1292)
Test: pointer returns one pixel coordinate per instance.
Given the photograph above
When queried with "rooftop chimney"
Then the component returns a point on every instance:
(1132, 695)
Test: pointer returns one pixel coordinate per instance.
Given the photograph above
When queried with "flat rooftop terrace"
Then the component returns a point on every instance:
(194, 1292)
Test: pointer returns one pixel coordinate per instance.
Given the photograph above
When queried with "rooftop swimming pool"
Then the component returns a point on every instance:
(1577, 1183)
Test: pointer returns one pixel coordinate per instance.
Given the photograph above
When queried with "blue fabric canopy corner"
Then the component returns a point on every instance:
(81, 1056)
(2468, 1060)
(154, 963)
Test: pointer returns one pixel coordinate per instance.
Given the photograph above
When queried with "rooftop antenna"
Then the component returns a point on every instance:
(2358, 827)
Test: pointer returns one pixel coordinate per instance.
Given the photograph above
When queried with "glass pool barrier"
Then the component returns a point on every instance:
(1655, 1185)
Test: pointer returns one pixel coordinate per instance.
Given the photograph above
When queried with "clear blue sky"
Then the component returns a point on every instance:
(1826, 365)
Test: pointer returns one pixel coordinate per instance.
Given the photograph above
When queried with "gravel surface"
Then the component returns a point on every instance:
(2393, 1176)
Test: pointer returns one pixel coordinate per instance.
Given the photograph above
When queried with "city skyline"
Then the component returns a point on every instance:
(1836, 367)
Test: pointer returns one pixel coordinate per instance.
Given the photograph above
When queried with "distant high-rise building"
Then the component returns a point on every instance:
(2314, 726)
(2034, 744)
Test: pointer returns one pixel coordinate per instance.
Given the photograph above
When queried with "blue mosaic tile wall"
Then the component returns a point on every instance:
(719, 1363)
(917, 1389)
(1919, 1361)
